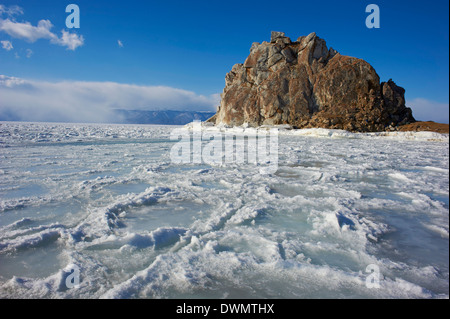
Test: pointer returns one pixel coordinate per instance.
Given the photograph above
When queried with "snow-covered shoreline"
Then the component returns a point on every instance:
(326, 133)
(66, 132)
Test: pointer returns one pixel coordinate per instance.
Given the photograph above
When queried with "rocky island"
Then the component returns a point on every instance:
(305, 84)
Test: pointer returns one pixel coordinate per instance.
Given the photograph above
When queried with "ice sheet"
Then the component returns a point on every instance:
(108, 199)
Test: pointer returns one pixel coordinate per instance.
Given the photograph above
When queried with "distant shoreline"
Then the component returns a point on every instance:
(419, 126)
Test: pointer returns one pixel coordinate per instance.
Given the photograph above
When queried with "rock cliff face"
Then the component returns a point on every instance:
(305, 84)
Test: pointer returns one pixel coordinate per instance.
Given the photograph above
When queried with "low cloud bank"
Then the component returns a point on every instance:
(77, 101)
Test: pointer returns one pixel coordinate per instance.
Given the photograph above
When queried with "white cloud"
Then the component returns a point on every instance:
(7, 45)
(120, 43)
(70, 40)
(74, 101)
(29, 53)
(11, 10)
(9, 81)
(428, 110)
(26, 31)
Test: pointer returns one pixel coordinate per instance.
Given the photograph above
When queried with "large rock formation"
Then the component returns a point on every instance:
(305, 84)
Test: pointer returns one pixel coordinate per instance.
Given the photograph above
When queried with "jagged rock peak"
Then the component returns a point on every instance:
(278, 35)
(306, 84)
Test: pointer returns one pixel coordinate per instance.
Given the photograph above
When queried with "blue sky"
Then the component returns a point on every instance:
(180, 51)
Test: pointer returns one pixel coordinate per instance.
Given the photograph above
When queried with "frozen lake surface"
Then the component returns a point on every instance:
(107, 200)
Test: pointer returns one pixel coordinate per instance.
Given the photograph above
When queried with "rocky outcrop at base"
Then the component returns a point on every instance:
(306, 84)
(428, 126)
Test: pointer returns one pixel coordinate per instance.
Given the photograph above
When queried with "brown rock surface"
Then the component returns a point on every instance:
(425, 126)
(305, 84)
